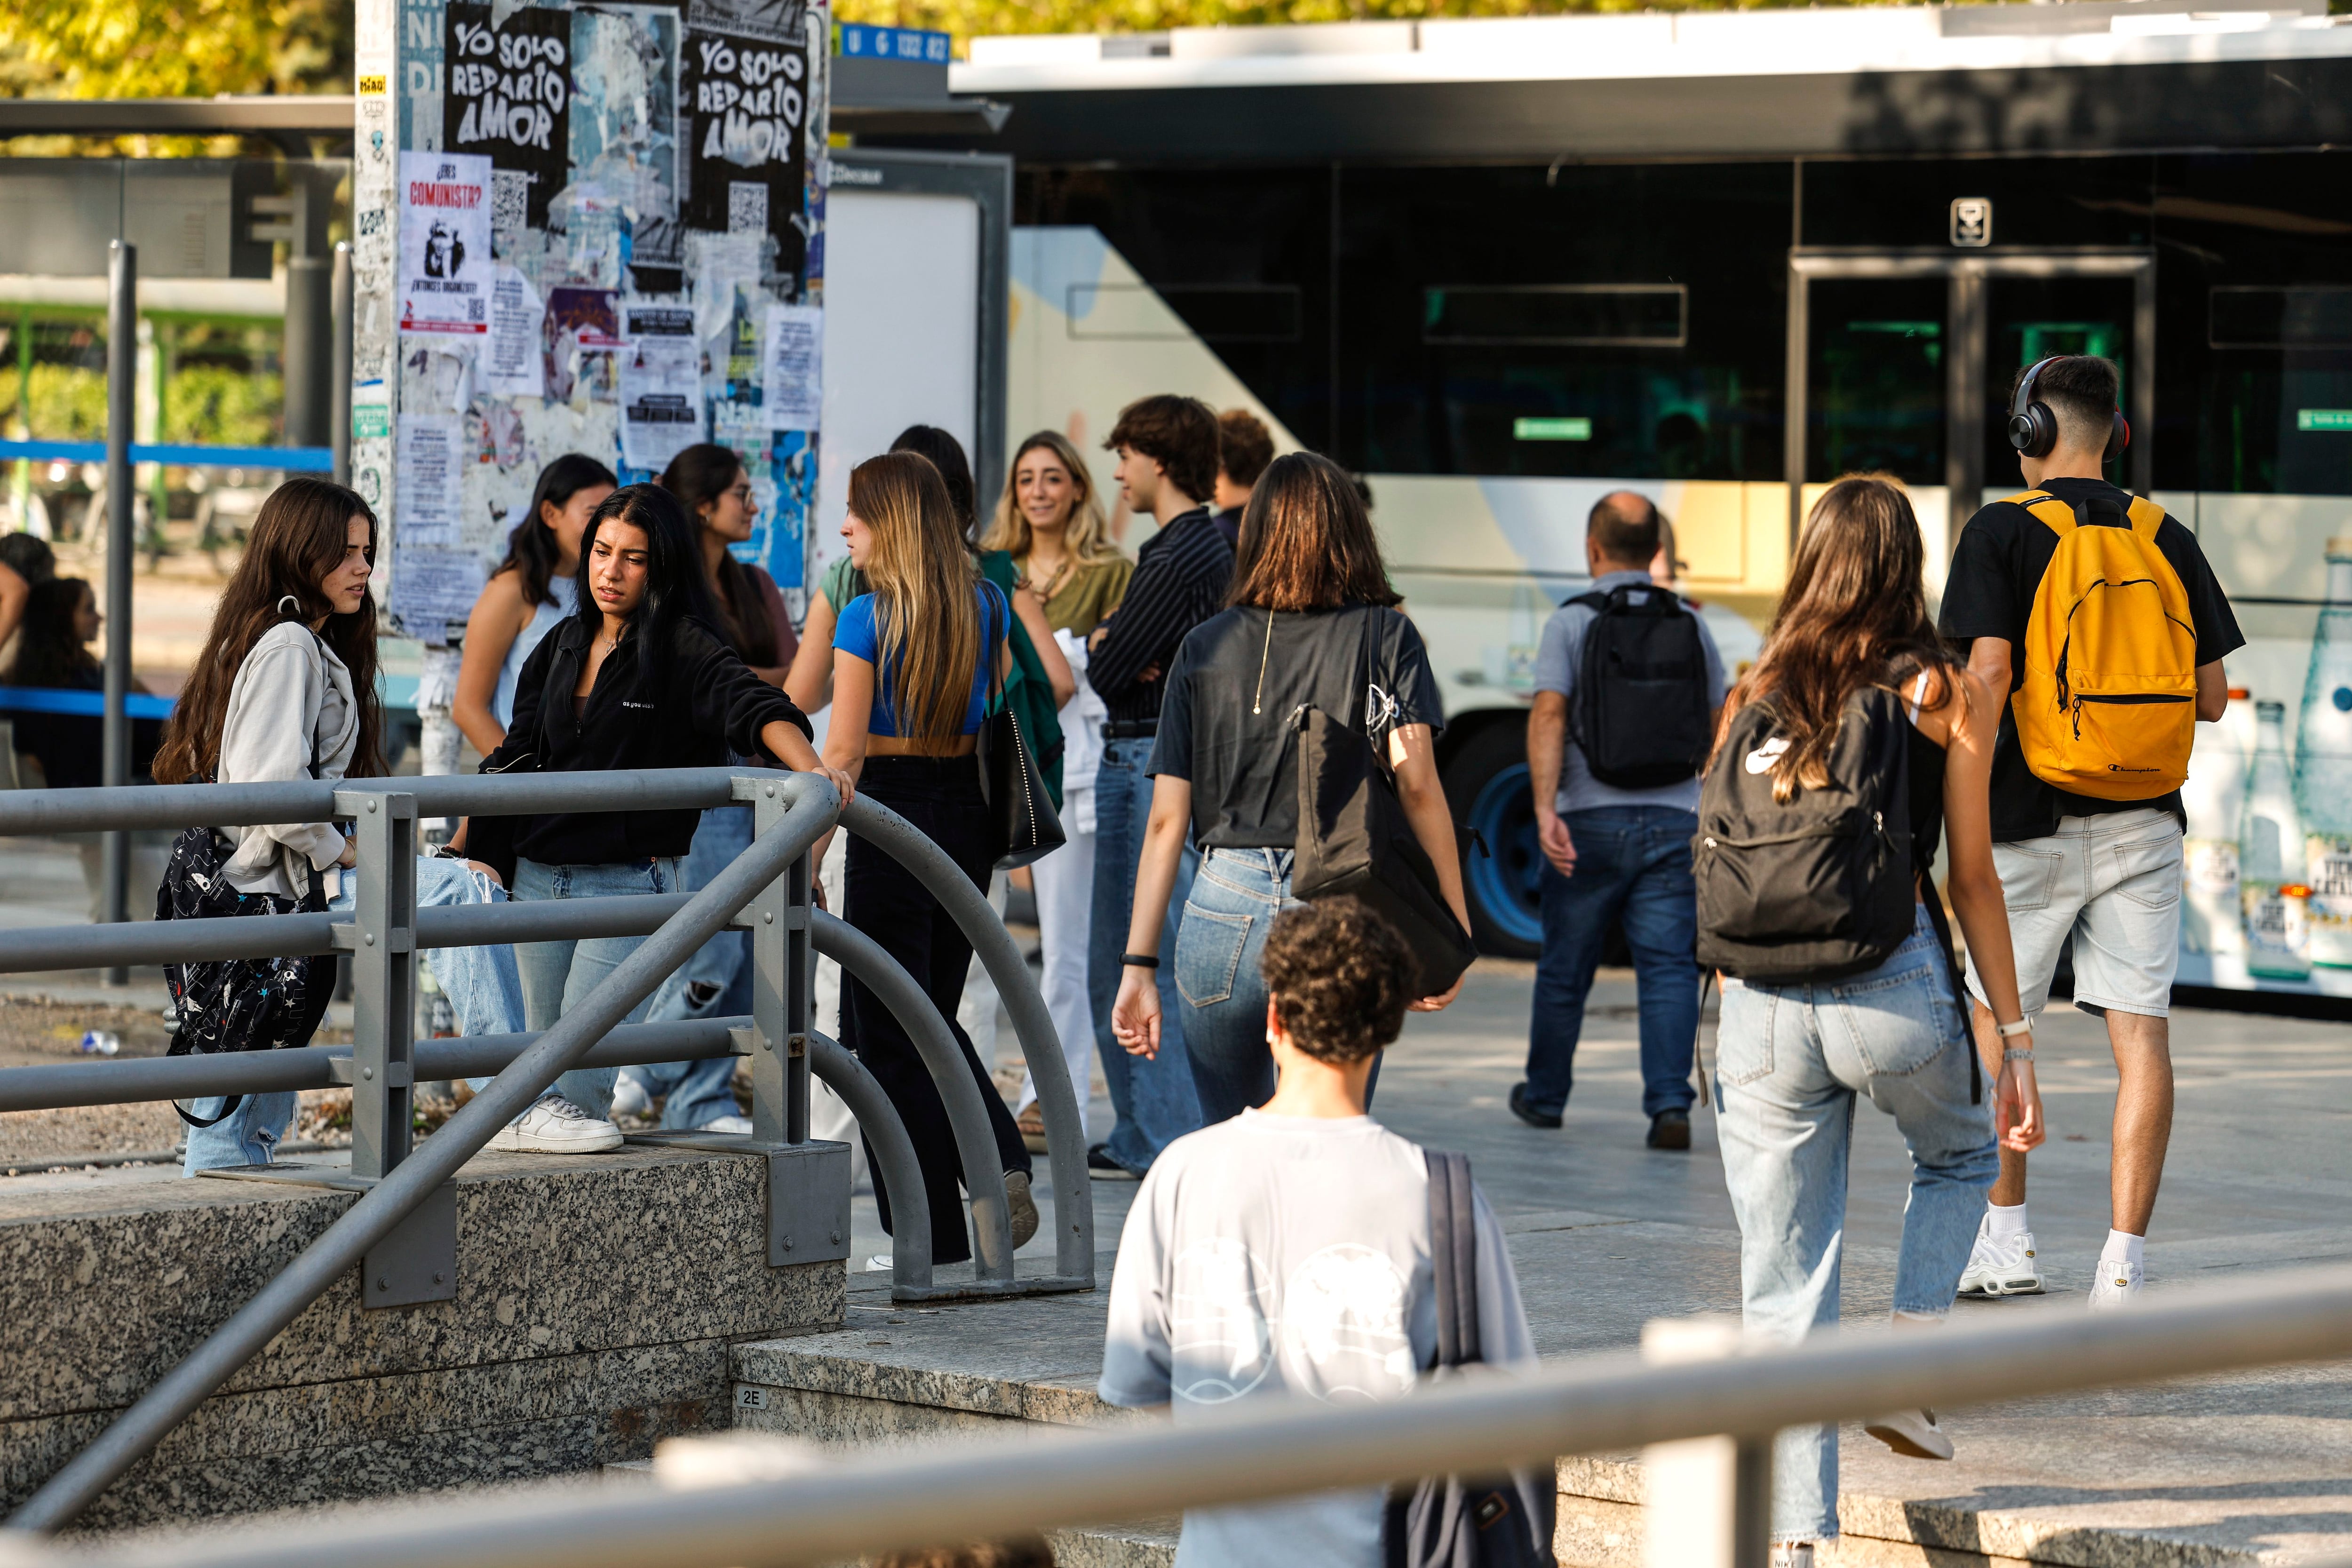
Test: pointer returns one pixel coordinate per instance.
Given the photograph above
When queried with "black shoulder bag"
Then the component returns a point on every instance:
(1023, 826)
(239, 1004)
(1462, 1521)
(1354, 838)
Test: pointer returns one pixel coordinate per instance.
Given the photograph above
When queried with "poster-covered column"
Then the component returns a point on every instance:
(578, 228)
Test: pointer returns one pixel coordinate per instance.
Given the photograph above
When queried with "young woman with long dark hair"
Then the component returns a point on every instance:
(533, 588)
(914, 659)
(285, 689)
(709, 482)
(1792, 1060)
(61, 620)
(637, 676)
(1310, 604)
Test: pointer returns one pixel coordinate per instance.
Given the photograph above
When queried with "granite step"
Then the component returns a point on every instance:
(2245, 1468)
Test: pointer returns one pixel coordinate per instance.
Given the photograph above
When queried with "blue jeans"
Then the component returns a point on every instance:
(699, 1092)
(1789, 1061)
(1155, 1100)
(556, 975)
(1633, 865)
(481, 984)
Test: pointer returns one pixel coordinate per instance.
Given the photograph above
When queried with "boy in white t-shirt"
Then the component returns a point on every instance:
(1285, 1252)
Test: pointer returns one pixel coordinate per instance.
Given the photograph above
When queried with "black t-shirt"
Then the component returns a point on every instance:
(1232, 737)
(1996, 570)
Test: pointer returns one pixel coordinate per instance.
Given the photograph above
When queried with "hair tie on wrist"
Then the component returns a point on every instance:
(1138, 961)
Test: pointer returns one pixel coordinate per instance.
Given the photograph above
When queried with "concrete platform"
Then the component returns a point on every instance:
(597, 1299)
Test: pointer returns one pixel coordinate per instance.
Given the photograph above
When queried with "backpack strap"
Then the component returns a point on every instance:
(2147, 516)
(2055, 514)
(1453, 1256)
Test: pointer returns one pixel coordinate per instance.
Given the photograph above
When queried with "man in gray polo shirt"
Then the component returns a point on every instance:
(1611, 854)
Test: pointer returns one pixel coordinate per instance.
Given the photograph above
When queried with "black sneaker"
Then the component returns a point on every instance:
(1100, 1166)
(1670, 1129)
(1529, 1113)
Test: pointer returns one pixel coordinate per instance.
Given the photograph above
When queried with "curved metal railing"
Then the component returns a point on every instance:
(765, 890)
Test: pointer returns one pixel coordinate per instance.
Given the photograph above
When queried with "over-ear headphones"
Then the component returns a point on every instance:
(2033, 428)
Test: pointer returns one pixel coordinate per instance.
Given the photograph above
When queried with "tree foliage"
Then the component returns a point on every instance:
(173, 49)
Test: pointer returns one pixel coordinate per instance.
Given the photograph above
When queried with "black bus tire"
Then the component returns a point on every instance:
(1487, 785)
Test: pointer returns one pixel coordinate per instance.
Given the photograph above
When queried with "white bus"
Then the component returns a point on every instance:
(1501, 267)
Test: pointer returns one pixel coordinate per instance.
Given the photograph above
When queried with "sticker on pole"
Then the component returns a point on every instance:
(445, 242)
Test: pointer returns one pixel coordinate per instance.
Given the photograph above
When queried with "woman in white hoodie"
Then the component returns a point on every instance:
(285, 689)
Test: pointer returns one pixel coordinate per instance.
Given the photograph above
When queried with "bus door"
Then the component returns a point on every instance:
(1900, 362)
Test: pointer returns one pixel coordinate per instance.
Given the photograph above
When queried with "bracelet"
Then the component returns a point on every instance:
(2011, 1031)
(1139, 961)
(2025, 1055)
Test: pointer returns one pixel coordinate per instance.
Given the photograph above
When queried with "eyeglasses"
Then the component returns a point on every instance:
(742, 493)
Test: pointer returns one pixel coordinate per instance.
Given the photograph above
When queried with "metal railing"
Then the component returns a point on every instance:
(978, 1490)
(404, 1221)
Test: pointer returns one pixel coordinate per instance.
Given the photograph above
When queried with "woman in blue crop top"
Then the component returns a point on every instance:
(913, 659)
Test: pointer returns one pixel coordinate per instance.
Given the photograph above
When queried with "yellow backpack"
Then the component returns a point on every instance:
(2109, 703)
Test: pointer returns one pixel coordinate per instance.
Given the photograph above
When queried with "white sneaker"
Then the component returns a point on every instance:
(880, 1263)
(1912, 1433)
(630, 1098)
(1793, 1554)
(736, 1126)
(553, 1125)
(2114, 1284)
(2002, 1268)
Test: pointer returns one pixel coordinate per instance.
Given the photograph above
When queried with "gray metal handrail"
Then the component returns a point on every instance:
(765, 891)
(987, 1487)
(173, 1396)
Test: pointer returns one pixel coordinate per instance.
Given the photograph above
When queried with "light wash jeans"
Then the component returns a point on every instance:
(699, 1092)
(556, 975)
(1154, 1097)
(1790, 1061)
(481, 983)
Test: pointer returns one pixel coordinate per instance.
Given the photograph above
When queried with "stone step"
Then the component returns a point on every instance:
(904, 1374)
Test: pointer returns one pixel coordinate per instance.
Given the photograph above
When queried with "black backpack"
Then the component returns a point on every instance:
(1642, 705)
(1820, 888)
(1823, 887)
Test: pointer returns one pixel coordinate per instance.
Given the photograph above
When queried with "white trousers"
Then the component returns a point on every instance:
(1066, 891)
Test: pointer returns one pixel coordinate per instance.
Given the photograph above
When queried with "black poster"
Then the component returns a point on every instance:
(509, 87)
(746, 115)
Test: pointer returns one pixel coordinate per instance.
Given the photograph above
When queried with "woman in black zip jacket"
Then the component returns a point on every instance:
(636, 677)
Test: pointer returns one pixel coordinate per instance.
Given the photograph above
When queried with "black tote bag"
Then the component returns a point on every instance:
(1023, 826)
(1465, 1522)
(1354, 838)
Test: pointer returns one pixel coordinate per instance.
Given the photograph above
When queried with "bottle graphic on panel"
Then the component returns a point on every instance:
(2215, 796)
(2270, 856)
(2323, 767)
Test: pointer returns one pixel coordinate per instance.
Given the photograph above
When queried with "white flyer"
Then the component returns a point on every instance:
(661, 385)
(514, 362)
(446, 270)
(427, 485)
(794, 395)
(433, 589)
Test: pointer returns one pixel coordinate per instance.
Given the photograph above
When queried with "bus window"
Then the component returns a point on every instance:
(1874, 394)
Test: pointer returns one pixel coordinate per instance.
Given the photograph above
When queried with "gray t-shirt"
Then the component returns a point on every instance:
(1556, 659)
(1280, 1255)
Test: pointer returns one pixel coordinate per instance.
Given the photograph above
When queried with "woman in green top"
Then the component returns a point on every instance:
(1050, 524)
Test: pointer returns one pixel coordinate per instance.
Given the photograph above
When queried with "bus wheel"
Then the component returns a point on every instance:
(1486, 781)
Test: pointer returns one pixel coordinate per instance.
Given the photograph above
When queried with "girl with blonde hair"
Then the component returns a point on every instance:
(914, 659)
(1050, 521)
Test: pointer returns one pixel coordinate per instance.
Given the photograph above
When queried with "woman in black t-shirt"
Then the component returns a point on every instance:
(1312, 608)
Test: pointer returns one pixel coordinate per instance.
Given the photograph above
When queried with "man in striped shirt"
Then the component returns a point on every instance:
(1167, 449)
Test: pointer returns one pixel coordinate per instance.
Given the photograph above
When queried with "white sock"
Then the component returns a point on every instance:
(2004, 1224)
(2122, 1248)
